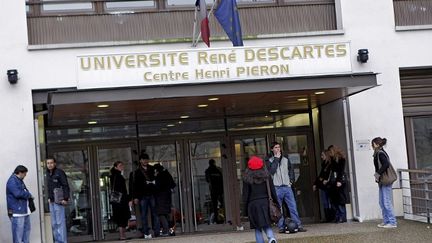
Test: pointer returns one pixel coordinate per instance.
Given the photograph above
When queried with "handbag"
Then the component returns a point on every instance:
(275, 212)
(58, 195)
(115, 196)
(31, 203)
(389, 176)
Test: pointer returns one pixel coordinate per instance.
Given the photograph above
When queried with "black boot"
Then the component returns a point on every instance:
(329, 215)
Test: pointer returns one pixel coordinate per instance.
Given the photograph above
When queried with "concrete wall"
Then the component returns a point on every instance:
(377, 112)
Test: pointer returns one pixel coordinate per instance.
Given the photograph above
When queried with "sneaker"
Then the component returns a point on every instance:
(381, 225)
(302, 229)
(147, 236)
(272, 240)
(390, 226)
(282, 231)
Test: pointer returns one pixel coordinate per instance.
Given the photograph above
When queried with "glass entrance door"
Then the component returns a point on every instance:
(80, 210)
(301, 154)
(207, 185)
(167, 154)
(106, 156)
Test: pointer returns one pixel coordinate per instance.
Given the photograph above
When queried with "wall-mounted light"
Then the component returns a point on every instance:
(12, 76)
(363, 55)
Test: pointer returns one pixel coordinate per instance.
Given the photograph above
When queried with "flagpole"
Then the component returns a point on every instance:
(208, 16)
(194, 27)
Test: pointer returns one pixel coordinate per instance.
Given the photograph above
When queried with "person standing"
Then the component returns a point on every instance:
(58, 196)
(121, 212)
(282, 173)
(17, 197)
(144, 194)
(256, 199)
(214, 178)
(164, 184)
(385, 191)
(337, 184)
(324, 190)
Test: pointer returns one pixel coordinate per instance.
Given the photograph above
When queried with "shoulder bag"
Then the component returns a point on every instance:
(275, 212)
(389, 176)
(115, 196)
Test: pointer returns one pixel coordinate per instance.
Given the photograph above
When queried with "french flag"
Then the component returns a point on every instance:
(205, 30)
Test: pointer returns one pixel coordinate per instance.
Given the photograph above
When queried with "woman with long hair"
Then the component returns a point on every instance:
(319, 184)
(337, 183)
(382, 163)
(121, 212)
(255, 198)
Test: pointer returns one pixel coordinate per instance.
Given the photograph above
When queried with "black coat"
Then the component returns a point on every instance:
(164, 184)
(57, 179)
(323, 175)
(338, 195)
(256, 203)
(121, 212)
(144, 182)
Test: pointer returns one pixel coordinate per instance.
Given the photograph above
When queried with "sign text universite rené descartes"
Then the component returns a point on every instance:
(192, 66)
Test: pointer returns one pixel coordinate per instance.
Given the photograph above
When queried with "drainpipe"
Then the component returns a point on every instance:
(350, 158)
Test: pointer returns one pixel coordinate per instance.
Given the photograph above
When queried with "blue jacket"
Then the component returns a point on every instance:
(17, 195)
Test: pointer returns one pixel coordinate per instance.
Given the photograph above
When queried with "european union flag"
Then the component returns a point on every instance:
(228, 17)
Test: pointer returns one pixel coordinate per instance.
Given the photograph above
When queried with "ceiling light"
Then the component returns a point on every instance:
(319, 92)
(170, 125)
(302, 99)
(202, 105)
(92, 122)
(184, 117)
(180, 122)
(213, 99)
(240, 125)
(266, 116)
(103, 106)
(164, 129)
(274, 111)
(87, 130)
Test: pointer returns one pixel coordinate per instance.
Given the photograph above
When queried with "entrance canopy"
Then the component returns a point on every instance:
(131, 105)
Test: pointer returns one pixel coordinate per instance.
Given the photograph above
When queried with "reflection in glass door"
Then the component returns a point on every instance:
(300, 154)
(245, 148)
(207, 193)
(106, 156)
(79, 211)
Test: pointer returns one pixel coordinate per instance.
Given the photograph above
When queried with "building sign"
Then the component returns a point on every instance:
(210, 65)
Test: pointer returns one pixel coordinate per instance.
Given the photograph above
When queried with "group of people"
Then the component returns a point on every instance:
(265, 182)
(331, 182)
(150, 188)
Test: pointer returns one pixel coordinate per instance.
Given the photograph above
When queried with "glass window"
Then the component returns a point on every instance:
(422, 127)
(90, 133)
(66, 6)
(123, 5)
(254, 1)
(268, 122)
(184, 3)
(181, 127)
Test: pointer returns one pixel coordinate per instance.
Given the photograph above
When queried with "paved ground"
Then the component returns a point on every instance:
(351, 232)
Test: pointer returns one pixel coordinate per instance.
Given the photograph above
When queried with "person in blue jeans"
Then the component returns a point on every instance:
(282, 173)
(382, 163)
(17, 197)
(144, 194)
(58, 197)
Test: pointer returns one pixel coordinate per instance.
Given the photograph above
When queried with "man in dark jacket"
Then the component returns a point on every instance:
(213, 175)
(144, 194)
(283, 176)
(58, 196)
(17, 197)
